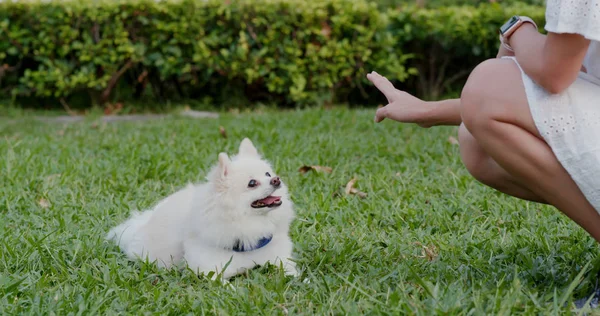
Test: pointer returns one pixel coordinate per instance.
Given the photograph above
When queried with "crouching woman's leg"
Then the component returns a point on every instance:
(497, 119)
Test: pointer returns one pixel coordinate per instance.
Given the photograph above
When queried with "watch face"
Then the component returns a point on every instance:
(508, 24)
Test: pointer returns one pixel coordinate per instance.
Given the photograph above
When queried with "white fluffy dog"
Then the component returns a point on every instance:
(232, 223)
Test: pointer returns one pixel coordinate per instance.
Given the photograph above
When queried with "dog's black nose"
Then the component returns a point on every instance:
(275, 182)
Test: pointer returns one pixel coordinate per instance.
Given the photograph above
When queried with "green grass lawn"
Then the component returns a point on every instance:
(426, 240)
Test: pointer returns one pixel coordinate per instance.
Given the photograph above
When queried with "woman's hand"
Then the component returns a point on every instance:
(401, 107)
(504, 52)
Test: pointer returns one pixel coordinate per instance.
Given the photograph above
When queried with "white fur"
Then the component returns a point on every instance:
(199, 224)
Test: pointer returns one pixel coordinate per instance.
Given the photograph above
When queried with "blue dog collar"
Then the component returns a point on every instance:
(239, 247)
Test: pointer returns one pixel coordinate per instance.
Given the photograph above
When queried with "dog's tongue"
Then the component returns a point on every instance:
(271, 199)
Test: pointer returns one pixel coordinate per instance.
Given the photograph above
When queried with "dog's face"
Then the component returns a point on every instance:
(248, 182)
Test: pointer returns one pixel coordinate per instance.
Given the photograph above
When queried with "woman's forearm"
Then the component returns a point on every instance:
(552, 61)
(528, 45)
(445, 112)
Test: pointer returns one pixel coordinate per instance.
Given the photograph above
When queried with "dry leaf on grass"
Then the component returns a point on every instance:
(44, 203)
(305, 169)
(360, 194)
(350, 189)
(429, 252)
(350, 185)
(452, 140)
(222, 131)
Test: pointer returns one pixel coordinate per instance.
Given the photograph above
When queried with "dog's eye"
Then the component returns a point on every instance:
(268, 174)
(252, 183)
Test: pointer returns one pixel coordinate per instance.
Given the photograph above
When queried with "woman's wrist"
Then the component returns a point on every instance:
(443, 112)
(512, 26)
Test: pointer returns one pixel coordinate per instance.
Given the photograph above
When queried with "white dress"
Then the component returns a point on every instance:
(570, 122)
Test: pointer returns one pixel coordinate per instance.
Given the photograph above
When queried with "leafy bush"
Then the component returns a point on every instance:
(386, 4)
(449, 42)
(284, 51)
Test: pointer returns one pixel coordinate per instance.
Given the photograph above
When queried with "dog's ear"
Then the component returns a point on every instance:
(224, 162)
(218, 175)
(247, 148)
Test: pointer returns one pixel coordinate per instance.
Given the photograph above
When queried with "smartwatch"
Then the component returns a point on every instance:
(511, 26)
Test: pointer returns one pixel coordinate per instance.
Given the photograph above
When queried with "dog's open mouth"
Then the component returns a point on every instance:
(269, 201)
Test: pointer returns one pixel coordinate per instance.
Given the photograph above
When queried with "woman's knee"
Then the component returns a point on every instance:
(479, 94)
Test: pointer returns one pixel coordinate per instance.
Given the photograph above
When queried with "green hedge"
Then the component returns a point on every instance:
(285, 51)
(430, 4)
(449, 42)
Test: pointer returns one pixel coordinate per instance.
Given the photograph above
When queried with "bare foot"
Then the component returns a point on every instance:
(402, 107)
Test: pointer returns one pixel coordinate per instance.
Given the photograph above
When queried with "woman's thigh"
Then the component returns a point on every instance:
(495, 91)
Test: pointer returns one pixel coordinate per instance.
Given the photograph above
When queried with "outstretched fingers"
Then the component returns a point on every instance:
(383, 84)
